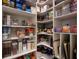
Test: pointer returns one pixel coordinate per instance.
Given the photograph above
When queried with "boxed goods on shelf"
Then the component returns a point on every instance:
(6, 49)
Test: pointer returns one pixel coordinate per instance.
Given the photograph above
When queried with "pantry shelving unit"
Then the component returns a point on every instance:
(39, 54)
(20, 15)
(58, 38)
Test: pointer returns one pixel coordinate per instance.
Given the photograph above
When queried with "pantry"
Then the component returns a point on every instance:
(39, 29)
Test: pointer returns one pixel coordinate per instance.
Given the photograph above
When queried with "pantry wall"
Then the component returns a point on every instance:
(39, 29)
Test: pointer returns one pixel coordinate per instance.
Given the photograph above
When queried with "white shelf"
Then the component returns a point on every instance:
(45, 44)
(74, 33)
(18, 26)
(45, 3)
(20, 54)
(15, 38)
(64, 33)
(61, 3)
(11, 10)
(57, 32)
(69, 15)
(43, 57)
(45, 21)
(44, 33)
